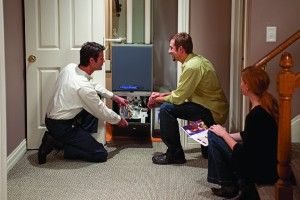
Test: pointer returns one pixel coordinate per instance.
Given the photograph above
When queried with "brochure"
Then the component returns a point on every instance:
(197, 130)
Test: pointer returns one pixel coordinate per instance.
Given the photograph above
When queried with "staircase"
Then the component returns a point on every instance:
(266, 192)
(288, 153)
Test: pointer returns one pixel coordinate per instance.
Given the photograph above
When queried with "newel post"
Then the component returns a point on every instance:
(285, 88)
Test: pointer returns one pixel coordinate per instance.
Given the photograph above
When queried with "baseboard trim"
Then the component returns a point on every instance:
(16, 155)
(295, 129)
(296, 119)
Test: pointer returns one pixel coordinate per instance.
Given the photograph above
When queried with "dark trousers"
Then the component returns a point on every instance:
(223, 171)
(169, 128)
(220, 165)
(75, 134)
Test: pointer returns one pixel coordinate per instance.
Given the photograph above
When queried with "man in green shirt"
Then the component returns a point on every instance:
(198, 96)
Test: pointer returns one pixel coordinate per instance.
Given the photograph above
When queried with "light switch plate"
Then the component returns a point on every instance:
(271, 33)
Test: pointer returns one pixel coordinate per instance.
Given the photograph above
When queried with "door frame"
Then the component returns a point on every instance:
(183, 25)
(237, 63)
(3, 146)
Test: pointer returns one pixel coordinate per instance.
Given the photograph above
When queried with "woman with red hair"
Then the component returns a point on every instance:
(239, 160)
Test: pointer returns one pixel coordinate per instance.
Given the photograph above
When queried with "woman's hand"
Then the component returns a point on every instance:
(219, 130)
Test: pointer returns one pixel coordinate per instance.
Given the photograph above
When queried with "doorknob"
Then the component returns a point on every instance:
(32, 58)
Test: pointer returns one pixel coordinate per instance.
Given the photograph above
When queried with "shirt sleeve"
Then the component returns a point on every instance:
(93, 104)
(188, 82)
(103, 92)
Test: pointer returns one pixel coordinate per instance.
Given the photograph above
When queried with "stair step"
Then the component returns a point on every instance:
(268, 193)
(295, 162)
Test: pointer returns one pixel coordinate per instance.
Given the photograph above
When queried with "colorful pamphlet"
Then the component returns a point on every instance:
(197, 130)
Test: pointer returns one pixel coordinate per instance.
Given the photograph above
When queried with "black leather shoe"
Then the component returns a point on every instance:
(226, 191)
(163, 159)
(48, 144)
(249, 192)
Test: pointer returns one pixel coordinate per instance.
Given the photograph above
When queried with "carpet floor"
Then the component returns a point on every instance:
(128, 174)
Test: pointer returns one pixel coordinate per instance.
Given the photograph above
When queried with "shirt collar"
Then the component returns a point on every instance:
(83, 73)
(191, 55)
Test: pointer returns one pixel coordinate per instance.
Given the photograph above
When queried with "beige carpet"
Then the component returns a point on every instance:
(128, 174)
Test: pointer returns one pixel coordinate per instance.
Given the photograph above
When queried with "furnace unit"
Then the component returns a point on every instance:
(132, 79)
(132, 68)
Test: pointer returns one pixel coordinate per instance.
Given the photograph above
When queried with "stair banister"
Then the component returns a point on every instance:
(277, 50)
(287, 82)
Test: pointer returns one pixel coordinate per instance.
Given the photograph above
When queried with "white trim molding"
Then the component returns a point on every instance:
(3, 130)
(245, 101)
(16, 155)
(295, 129)
(183, 24)
(183, 21)
(148, 9)
(129, 5)
(236, 64)
(183, 16)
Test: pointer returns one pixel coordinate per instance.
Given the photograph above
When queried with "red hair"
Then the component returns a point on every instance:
(258, 82)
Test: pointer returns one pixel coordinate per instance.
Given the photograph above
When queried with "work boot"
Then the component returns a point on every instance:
(48, 144)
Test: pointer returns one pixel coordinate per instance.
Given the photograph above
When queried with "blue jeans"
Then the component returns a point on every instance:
(76, 138)
(220, 165)
(169, 127)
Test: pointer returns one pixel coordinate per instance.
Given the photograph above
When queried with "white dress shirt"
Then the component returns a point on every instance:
(74, 92)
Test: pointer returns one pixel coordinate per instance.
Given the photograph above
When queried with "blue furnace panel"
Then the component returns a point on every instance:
(131, 67)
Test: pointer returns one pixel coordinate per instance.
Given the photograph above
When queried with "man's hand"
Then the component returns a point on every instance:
(155, 94)
(119, 100)
(156, 98)
(151, 102)
(122, 123)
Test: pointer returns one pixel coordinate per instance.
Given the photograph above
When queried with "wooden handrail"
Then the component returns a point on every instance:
(263, 61)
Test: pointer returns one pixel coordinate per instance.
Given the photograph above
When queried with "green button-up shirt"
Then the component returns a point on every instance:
(199, 83)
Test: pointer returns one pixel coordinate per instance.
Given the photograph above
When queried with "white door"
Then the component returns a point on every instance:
(55, 31)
